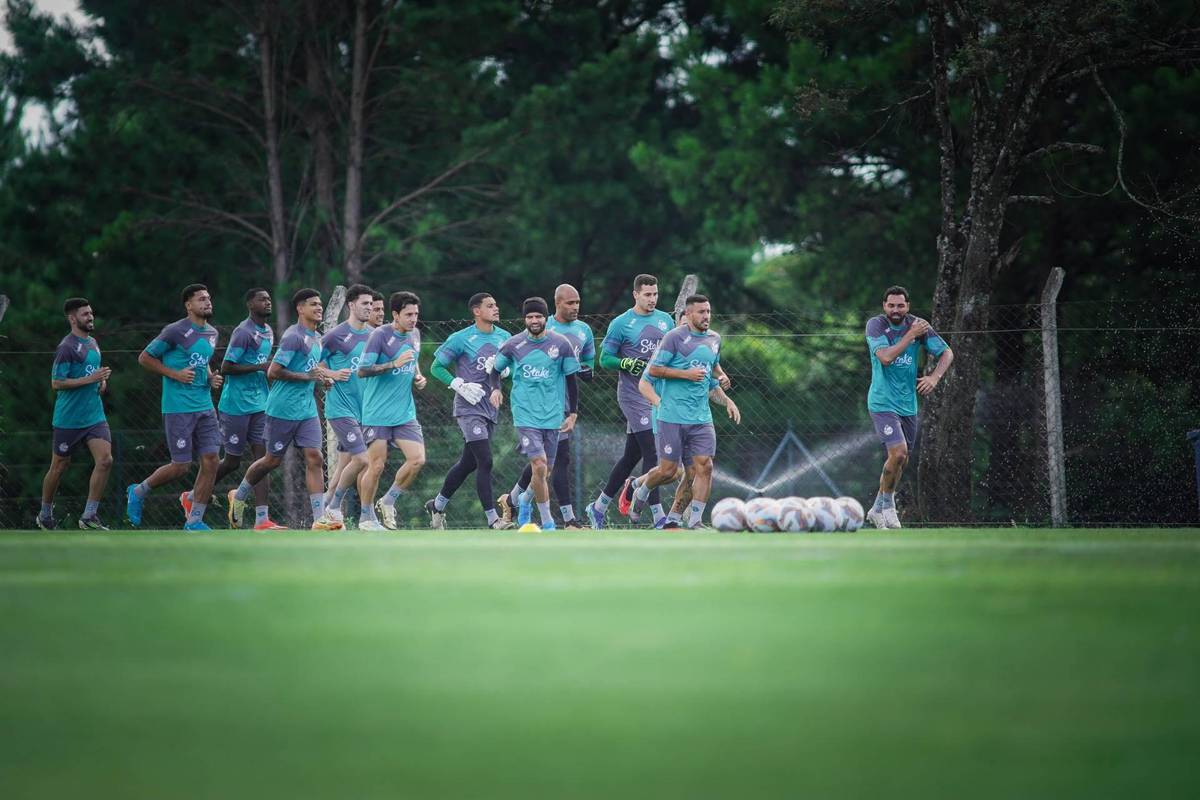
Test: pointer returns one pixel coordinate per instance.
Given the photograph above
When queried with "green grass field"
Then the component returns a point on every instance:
(940, 663)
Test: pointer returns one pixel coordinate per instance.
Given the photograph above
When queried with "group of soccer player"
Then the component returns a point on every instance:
(669, 374)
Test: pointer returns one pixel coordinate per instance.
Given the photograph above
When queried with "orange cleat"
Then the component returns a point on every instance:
(269, 525)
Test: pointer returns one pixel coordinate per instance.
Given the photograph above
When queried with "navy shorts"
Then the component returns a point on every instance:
(681, 442)
(475, 427)
(638, 415)
(538, 443)
(191, 434)
(894, 429)
(282, 433)
(68, 440)
(408, 432)
(349, 435)
(239, 430)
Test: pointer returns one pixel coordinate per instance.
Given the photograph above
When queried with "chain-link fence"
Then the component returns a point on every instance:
(1129, 389)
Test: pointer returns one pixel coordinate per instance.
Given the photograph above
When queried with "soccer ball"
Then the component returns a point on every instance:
(762, 514)
(827, 514)
(852, 510)
(529, 527)
(795, 515)
(729, 514)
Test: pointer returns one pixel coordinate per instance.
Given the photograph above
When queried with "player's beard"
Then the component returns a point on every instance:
(536, 329)
(896, 319)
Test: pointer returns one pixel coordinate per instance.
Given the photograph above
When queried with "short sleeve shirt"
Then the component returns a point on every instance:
(894, 387)
(181, 345)
(465, 354)
(387, 398)
(539, 374)
(684, 401)
(634, 335)
(250, 344)
(299, 351)
(80, 407)
(342, 348)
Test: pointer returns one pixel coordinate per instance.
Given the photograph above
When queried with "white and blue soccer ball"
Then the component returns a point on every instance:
(729, 515)
(827, 514)
(794, 515)
(762, 514)
(853, 513)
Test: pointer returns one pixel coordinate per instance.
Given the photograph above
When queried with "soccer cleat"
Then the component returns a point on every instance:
(186, 502)
(504, 506)
(625, 497)
(437, 519)
(573, 523)
(877, 519)
(269, 525)
(891, 518)
(595, 516)
(198, 525)
(524, 510)
(237, 509)
(133, 506)
(91, 524)
(699, 527)
(46, 523)
(386, 514)
(327, 522)
(501, 525)
(635, 508)
(371, 525)
(549, 525)
(667, 524)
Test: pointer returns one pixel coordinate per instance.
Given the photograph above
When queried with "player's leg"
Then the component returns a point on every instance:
(670, 447)
(679, 504)
(314, 483)
(343, 458)
(101, 449)
(891, 434)
(368, 480)
(702, 466)
(483, 480)
(540, 487)
(262, 493)
(206, 438)
(179, 429)
(413, 449)
(58, 466)
(436, 507)
(279, 433)
(506, 503)
(646, 443)
(616, 479)
(560, 480)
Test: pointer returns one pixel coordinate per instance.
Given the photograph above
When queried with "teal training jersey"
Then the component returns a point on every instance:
(686, 402)
(387, 399)
(583, 341)
(894, 387)
(247, 394)
(342, 348)
(464, 354)
(79, 407)
(539, 369)
(299, 351)
(181, 345)
(634, 335)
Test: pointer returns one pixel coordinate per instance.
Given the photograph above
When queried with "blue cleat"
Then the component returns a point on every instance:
(667, 524)
(595, 516)
(198, 525)
(549, 526)
(524, 509)
(133, 506)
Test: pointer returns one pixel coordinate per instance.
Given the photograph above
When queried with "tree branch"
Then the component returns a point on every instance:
(1062, 147)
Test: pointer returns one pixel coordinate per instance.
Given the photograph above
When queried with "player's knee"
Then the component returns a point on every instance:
(416, 461)
(209, 461)
(104, 462)
(312, 458)
(359, 460)
(702, 467)
(898, 455)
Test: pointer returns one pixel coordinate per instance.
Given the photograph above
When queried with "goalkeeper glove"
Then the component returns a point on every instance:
(471, 392)
(634, 366)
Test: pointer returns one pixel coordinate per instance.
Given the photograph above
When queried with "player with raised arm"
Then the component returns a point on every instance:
(292, 419)
(565, 321)
(470, 352)
(181, 354)
(78, 380)
(545, 396)
(684, 363)
(894, 340)
(389, 372)
(628, 344)
(341, 350)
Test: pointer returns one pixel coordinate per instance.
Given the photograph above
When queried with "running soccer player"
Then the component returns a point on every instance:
(181, 354)
(341, 351)
(389, 371)
(292, 419)
(243, 404)
(471, 352)
(78, 381)
(545, 396)
(629, 342)
(894, 340)
(565, 321)
(684, 363)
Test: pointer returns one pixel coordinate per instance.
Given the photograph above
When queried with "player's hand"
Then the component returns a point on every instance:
(696, 374)
(568, 423)
(734, 412)
(586, 374)
(926, 384)
(103, 387)
(919, 328)
(471, 392)
(634, 366)
(497, 398)
(100, 375)
(339, 375)
(215, 380)
(723, 381)
(186, 375)
(419, 381)
(403, 358)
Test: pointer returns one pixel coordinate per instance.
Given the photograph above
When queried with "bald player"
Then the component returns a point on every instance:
(566, 322)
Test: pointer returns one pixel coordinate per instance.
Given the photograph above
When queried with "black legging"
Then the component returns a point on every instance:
(476, 457)
(560, 478)
(637, 445)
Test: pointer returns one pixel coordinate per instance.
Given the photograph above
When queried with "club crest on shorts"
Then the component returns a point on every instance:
(477, 430)
(64, 447)
(181, 443)
(278, 446)
(525, 441)
(645, 420)
(370, 431)
(233, 439)
(350, 437)
(888, 430)
(667, 449)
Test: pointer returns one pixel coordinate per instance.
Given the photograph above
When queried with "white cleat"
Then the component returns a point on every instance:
(437, 519)
(371, 525)
(891, 518)
(386, 514)
(877, 519)
(329, 521)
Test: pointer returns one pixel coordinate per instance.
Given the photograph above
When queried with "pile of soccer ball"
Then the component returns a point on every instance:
(789, 515)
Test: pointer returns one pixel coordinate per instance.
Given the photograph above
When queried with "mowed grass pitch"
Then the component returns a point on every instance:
(942, 663)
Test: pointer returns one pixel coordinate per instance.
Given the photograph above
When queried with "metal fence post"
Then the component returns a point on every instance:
(1194, 438)
(1055, 462)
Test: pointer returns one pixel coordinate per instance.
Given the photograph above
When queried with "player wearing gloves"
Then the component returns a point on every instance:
(464, 363)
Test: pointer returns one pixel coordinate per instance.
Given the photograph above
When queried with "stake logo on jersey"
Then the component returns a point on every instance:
(299, 351)
(466, 355)
(342, 348)
(182, 345)
(251, 345)
(79, 407)
(894, 387)
(539, 371)
(686, 401)
(387, 398)
(634, 335)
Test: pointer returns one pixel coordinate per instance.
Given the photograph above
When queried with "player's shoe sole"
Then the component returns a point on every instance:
(196, 526)
(237, 509)
(328, 523)
(501, 525)
(91, 524)
(892, 519)
(185, 503)
(437, 519)
(574, 524)
(549, 526)
(504, 506)
(625, 497)
(269, 525)
(371, 525)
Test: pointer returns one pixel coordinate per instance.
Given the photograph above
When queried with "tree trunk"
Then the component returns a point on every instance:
(319, 122)
(352, 213)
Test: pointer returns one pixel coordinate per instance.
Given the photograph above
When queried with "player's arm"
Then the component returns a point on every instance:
(62, 367)
(695, 374)
(231, 364)
(572, 382)
(719, 373)
(587, 359)
(611, 346)
(937, 348)
(277, 372)
(888, 354)
(646, 390)
(717, 395)
(150, 360)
